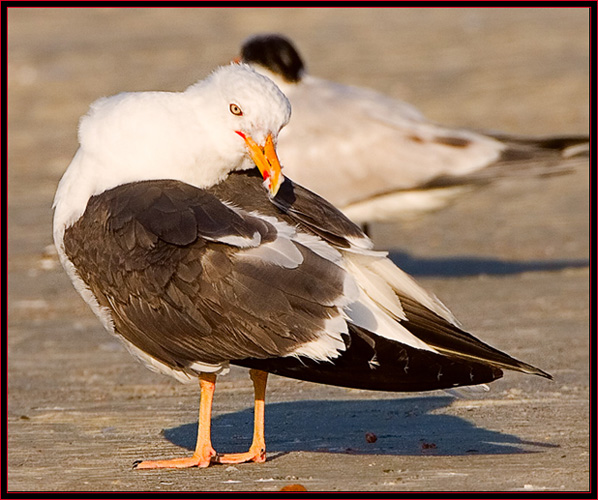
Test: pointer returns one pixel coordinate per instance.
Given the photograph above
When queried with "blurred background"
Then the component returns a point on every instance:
(511, 260)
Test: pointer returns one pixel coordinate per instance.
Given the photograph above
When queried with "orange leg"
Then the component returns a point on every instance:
(204, 452)
(257, 451)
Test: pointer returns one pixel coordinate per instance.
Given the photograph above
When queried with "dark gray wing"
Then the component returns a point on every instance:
(314, 214)
(167, 260)
(294, 204)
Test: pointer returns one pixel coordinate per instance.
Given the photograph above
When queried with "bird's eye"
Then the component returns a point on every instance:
(236, 110)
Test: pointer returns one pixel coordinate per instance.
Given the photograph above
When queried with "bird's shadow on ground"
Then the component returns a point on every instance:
(404, 426)
(455, 267)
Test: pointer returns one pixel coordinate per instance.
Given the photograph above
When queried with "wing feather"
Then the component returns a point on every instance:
(189, 279)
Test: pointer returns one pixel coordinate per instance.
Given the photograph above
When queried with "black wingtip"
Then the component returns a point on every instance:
(542, 373)
(376, 363)
(520, 366)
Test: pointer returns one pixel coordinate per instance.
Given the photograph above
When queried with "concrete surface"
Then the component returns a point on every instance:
(510, 260)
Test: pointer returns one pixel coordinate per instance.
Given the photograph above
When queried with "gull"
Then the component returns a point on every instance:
(178, 228)
(378, 158)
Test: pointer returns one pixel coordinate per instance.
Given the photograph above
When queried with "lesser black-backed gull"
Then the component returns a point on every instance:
(197, 259)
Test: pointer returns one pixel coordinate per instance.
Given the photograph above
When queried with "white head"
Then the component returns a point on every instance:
(261, 107)
(229, 121)
(254, 109)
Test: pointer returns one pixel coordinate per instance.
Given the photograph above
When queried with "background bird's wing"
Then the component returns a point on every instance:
(354, 145)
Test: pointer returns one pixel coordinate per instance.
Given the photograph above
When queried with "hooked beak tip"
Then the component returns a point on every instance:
(274, 186)
(266, 160)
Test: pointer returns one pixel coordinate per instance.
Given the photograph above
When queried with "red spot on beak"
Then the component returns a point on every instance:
(241, 134)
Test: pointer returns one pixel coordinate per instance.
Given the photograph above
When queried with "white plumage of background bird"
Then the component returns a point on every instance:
(378, 158)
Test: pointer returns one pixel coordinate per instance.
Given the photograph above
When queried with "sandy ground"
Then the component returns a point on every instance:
(510, 260)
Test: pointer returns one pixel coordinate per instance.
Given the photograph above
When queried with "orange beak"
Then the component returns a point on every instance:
(266, 160)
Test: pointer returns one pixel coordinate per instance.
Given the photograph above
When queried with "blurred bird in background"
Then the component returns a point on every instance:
(378, 158)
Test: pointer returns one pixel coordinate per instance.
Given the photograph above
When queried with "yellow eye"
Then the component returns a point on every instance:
(236, 110)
